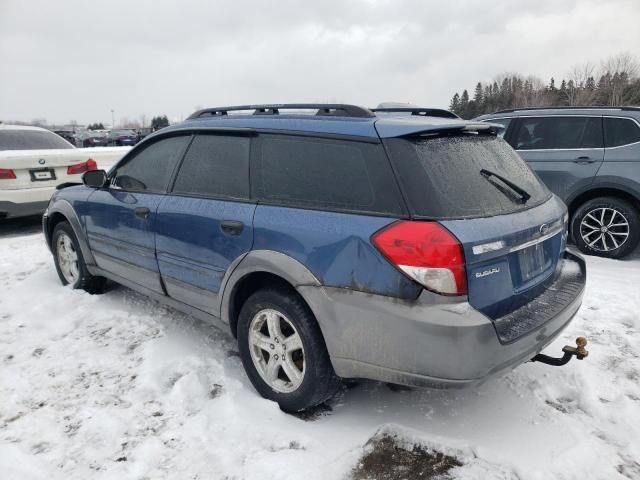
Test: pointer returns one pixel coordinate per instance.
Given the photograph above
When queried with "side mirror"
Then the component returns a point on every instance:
(95, 178)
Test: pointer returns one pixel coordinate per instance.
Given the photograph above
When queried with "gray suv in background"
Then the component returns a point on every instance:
(590, 158)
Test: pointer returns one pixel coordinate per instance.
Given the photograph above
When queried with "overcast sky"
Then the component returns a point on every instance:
(77, 60)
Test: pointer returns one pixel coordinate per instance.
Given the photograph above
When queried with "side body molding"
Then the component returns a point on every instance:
(64, 208)
(267, 261)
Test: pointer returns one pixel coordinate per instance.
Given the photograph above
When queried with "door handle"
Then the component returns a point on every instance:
(232, 227)
(142, 212)
(584, 160)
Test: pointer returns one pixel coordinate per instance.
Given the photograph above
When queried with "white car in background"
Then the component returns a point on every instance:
(33, 161)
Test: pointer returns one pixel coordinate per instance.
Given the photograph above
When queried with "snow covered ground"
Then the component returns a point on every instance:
(118, 387)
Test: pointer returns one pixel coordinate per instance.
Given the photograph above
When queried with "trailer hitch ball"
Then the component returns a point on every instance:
(579, 351)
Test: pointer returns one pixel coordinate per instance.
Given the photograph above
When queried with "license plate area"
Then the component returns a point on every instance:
(42, 174)
(534, 260)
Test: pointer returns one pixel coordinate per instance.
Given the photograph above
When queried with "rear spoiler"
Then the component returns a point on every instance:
(423, 112)
(472, 128)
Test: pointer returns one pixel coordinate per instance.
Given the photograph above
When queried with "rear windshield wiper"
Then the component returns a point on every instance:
(521, 194)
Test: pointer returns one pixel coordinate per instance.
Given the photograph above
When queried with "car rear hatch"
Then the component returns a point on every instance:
(512, 229)
(511, 258)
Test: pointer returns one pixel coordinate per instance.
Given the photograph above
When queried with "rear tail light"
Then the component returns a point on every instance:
(427, 253)
(82, 167)
(7, 174)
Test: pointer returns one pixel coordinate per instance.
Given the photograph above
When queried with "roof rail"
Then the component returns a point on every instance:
(424, 112)
(324, 109)
(599, 107)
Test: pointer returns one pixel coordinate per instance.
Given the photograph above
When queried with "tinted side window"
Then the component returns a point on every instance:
(215, 166)
(536, 133)
(620, 131)
(150, 169)
(326, 174)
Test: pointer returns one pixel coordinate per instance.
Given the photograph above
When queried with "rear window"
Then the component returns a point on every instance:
(31, 140)
(443, 176)
(325, 174)
(620, 131)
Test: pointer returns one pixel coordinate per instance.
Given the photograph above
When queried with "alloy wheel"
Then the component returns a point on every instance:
(604, 229)
(276, 350)
(67, 258)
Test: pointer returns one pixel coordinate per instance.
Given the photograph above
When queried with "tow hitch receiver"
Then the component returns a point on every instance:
(579, 351)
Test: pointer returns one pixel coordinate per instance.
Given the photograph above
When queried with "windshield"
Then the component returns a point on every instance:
(446, 176)
(31, 140)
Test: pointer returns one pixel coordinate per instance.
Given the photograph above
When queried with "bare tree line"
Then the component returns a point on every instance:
(615, 81)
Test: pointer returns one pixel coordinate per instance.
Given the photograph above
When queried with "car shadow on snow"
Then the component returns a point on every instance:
(14, 227)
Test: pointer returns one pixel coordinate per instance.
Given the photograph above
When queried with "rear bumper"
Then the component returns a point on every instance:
(432, 342)
(24, 202)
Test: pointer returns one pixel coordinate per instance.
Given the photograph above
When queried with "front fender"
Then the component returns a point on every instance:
(64, 208)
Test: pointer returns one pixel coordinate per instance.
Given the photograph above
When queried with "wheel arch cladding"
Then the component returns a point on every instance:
(63, 211)
(54, 219)
(259, 269)
(602, 191)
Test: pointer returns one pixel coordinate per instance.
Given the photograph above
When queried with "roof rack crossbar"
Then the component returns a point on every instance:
(565, 107)
(425, 112)
(332, 109)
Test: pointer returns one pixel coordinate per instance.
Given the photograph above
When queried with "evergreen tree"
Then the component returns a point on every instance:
(454, 106)
(159, 122)
(464, 105)
(562, 94)
(478, 96)
(505, 93)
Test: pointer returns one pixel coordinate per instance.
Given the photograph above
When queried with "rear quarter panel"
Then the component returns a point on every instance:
(621, 169)
(335, 247)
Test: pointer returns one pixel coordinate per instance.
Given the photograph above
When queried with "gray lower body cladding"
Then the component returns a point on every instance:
(434, 341)
(12, 210)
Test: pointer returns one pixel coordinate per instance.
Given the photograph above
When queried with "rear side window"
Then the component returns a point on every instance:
(31, 140)
(326, 174)
(215, 166)
(150, 169)
(540, 133)
(443, 176)
(620, 131)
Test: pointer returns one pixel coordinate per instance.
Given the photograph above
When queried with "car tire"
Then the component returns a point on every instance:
(607, 227)
(260, 344)
(69, 261)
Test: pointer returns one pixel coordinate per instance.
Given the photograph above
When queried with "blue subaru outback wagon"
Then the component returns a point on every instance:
(333, 241)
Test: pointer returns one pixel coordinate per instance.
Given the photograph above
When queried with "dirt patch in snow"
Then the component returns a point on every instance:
(387, 458)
